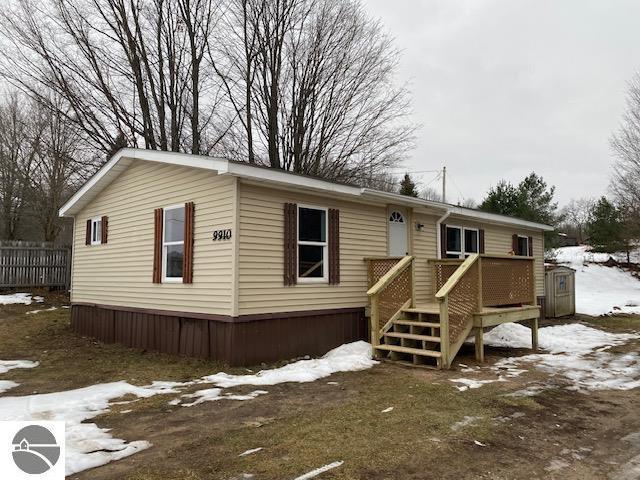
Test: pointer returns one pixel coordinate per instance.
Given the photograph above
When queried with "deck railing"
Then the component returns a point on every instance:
(463, 289)
(459, 299)
(389, 292)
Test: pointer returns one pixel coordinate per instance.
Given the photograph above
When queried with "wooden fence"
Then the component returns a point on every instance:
(27, 264)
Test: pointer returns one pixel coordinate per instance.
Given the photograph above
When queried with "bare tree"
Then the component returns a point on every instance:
(576, 215)
(306, 86)
(625, 184)
(430, 193)
(60, 165)
(312, 84)
(128, 69)
(17, 154)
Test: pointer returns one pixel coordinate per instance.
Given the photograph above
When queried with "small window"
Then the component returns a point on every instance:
(173, 244)
(523, 246)
(312, 245)
(470, 241)
(454, 242)
(562, 283)
(461, 242)
(96, 231)
(396, 217)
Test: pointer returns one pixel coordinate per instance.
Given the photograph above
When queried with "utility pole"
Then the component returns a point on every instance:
(444, 184)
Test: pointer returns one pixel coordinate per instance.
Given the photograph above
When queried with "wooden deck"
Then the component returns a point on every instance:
(470, 295)
(490, 317)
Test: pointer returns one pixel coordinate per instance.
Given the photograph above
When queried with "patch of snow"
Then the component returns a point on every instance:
(88, 446)
(387, 410)
(31, 312)
(214, 394)
(126, 411)
(249, 452)
(600, 290)
(469, 383)
(569, 338)
(19, 298)
(480, 444)
(6, 365)
(467, 421)
(318, 471)
(350, 357)
(574, 354)
(7, 385)
(555, 465)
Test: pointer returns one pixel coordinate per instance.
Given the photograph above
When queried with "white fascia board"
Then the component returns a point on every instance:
(454, 210)
(495, 218)
(280, 177)
(196, 161)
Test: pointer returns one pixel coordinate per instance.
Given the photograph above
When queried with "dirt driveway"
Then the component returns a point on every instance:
(433, 430)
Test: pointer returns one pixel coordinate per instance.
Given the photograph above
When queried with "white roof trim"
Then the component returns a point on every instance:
(496, 218)
(101, 176)
(271, 176)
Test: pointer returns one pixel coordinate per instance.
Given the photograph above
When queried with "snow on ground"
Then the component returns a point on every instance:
(576, 352)
(600, 290)
(88, 445)
(7, 385)
(351, 357)
(31, 312)
(6, 365)
(19, 298)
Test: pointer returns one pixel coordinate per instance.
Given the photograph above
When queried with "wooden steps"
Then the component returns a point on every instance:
(410, 351)
(414, 323)
(413, 336)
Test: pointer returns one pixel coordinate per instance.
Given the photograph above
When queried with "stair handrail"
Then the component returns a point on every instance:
(442, 296)
(388, 277)
(374, 296)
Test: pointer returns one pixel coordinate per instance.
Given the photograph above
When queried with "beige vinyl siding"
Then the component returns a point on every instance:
(120, 272)
(424, 248)
(363, 232)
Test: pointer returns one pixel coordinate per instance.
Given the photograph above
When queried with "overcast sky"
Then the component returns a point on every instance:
(504, 87)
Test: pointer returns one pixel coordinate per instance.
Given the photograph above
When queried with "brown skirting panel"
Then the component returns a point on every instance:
(245, 340)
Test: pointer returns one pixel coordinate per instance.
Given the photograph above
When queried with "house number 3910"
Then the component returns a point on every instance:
(222, 234)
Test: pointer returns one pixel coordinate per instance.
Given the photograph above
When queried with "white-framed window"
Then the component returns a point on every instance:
(523, 246)
(173, 243)
(312, 244)
(96, 231)
(461, 242)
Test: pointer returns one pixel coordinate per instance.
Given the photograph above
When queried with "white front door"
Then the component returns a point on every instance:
(398, 232)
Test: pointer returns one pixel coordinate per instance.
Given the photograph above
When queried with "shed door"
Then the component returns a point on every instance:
(563, 294)
(397, 232)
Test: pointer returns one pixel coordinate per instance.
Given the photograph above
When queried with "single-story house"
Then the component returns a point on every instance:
(206, 256)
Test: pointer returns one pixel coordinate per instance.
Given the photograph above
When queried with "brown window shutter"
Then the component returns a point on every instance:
(481, 241)
(105, 229)
(334, 246)
(87, 236)
(530, 242)
(443, 240)
(157, 245)
(514, 243)
(187, 263)
(290, 243)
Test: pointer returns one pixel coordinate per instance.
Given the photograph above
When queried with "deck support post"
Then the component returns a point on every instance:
(534, 334)
(480, 344)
